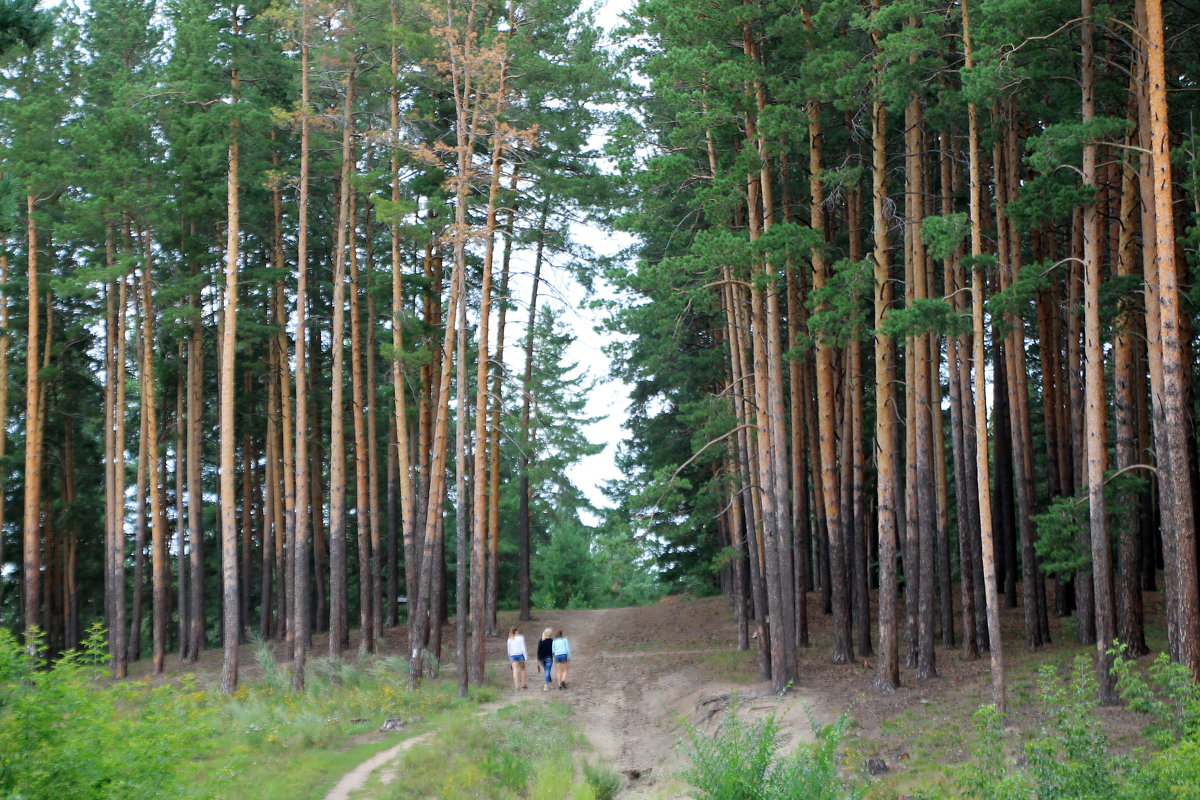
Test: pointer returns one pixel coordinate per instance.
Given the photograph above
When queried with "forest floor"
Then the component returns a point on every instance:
(638, 674)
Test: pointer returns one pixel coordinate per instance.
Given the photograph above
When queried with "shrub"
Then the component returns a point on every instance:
(740, 762)
(604, 780)
(64, 734)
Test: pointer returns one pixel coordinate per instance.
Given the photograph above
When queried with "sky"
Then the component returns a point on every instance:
(609, 399)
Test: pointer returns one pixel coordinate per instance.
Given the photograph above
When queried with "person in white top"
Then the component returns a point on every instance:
(516, 657)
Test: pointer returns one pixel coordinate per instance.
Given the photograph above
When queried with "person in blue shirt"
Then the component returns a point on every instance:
(562, 659)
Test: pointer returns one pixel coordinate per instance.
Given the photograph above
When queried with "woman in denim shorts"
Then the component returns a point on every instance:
(516, 657)
(562, 659)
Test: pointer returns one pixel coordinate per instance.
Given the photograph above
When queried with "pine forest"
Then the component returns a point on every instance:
(901, 304)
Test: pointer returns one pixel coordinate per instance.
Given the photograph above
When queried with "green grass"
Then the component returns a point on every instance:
(523, 750)
(67, 730)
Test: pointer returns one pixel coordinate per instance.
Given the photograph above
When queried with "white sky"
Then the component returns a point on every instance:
(609, 399)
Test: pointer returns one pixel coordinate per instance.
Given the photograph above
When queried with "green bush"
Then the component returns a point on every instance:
(604, 780)
(1070, 758)
(740, 762)
(65, 734)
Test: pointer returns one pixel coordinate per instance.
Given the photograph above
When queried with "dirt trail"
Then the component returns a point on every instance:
(636, 674)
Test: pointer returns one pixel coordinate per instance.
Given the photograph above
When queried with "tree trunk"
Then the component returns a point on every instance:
(1130, 616)
(338, 612)
(300, 613)
(158, 512)
(362, 501)
(526, 436)
(1094, 411)
(227, 388)
(887, 677)
(31, 575)
(1175, 497)
(983, 488)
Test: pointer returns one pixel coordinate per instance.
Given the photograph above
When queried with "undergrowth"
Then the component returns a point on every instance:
(741, 761)
(68, 731)
(524, 750)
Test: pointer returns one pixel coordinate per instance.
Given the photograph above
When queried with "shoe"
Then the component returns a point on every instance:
(564, 685)
(545, 687)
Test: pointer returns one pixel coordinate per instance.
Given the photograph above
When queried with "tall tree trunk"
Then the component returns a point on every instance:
(480, 495)
(1175, 497)
(227, 387)
(425, 615)
(31, 575)
(840, 595)
(956, 356)
(526, 438)
(139, 534)
(926, 515)
(362, 521)
(497, 405)
(983, 488)
(195, 439)
(338, 612)
(181, 589)
(119, 642)
(300, 611)
(1130, 616)
(406, 488)
(158, 512)
(1094, 411)
(887, 677)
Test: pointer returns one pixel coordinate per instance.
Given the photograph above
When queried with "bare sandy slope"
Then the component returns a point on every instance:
(636, 675)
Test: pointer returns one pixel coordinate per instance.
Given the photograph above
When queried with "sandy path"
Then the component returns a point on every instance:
(636, 674)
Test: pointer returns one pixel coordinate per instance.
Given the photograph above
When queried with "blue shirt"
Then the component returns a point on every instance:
(562, 647)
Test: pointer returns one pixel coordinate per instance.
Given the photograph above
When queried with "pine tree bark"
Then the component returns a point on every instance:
(119, 642)
(983, 488)
(300, 612)
(1175, 496)
(1095, 410)
(31, 575)
(227, 389)
(405, 485)
(195, 423)
(1130, 614)
(362, 501)
(338, 630)
(887, 676)
(480, 494)
(158, 512)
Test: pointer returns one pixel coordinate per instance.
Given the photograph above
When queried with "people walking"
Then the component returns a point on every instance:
(545, 654)
(562, 659)
(516, 657)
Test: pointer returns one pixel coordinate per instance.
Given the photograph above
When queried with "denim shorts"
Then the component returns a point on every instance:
(516, 658)
(562, 658)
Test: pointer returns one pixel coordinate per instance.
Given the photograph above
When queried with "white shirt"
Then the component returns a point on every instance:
(516, 646)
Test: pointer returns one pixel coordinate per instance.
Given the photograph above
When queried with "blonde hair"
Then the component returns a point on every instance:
(546, 634)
